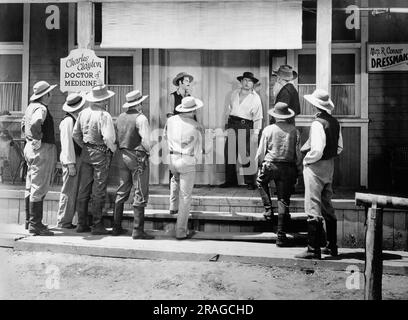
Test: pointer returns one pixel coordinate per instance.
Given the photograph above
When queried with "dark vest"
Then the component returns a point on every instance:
(47, 129)
(331, 129)
(177, 100)
(128, 134)
(77, 148)
(288, 94)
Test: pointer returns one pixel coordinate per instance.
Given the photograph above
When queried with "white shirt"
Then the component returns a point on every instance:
(144, 131)
(250, 108)
(317, 142)
(67, 155)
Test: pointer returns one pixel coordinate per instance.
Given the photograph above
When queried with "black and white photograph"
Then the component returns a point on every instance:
(204, 156)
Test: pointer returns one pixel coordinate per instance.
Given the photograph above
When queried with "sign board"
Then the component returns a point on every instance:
(387, 57)
(81, 70)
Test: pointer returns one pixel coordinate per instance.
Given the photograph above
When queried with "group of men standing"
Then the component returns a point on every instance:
(89, 138)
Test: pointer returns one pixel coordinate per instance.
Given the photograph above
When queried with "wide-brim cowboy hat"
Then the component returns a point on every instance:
(41, 88)
(74, 102)
(320, 99)
(248, 75)
(281, 110)
(99, 93)
(286, 72)
(134, 98)
(189, 104)
(181, 75)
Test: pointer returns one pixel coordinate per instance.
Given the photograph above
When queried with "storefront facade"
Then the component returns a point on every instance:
(46, 32)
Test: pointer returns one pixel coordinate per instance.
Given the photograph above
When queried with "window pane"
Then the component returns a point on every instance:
(11, 22)
(343, 68)
(98, 22)
(10, 82)
(309, 21)
(120, 70)
(307, 68)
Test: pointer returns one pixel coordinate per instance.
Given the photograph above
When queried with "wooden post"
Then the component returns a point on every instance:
(373, 263)
(323, 45)
(85, 25)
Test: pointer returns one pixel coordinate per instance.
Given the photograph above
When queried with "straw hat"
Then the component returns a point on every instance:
(181, 75)
(74, 102)
(286, 72)
(281, 110)
(134, 98)
(99, 93)
(189, 104)
(41, 88)
(320, 99)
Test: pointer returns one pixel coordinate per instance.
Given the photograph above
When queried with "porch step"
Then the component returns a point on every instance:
(209, 215)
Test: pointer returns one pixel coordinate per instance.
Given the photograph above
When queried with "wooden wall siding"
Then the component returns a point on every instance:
(388, 127)
(46, 49)
(347, 165)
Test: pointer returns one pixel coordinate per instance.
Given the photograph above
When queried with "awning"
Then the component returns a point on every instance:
(268, 24)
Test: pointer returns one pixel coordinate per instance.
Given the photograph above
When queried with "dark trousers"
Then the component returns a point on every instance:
(239, 132)
(284, 176)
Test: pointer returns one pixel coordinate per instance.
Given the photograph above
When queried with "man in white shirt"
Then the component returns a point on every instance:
(244, 124)
(95, 133)
(133, 134)
(184, 141)
(70, 161)
(324, 144)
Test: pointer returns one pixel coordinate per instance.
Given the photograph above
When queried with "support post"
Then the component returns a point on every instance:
(373, 254)
(85, 34)
(323, 45)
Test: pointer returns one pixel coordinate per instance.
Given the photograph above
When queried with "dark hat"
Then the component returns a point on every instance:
(286, 72)
(181, 75)
(248, 75)
(281, 110)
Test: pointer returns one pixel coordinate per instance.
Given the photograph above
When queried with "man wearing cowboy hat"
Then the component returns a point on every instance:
(133, 136)
(245, 116)
(95, 133)
(183, 82)
(324, 144)
(70, 161)
(40, 153)
(184, 140)
(280, 159)
(285, 91)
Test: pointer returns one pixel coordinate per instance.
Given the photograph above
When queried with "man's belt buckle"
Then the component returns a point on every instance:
(243, 121)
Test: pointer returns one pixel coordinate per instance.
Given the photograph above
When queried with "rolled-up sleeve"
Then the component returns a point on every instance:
(144, 130)
(36, 122)
(108, 131)
(317, 143)
(67, 155)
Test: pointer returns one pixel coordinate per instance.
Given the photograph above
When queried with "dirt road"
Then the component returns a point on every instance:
(33, 275)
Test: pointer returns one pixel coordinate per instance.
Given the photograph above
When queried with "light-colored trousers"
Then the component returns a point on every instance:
(68, 196)
(181, 189)
(318, 178)
(40, 164)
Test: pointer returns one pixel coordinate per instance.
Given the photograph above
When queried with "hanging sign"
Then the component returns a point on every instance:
(387, 57)
(81, 70)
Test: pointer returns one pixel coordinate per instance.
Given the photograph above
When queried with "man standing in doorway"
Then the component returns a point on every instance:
(183, 83)
(134, 147)
(70, 161)
(95, 133)
(324, 144)
(40, 153)
(284, 90)
(243, 126)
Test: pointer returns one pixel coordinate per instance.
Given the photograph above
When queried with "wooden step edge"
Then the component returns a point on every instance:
(231, 236)
(210, 215)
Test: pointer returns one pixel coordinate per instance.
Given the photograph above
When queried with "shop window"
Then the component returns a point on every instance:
(11, 22)
(10, 82)
(343, 89)
(119, 78)
(340, 32)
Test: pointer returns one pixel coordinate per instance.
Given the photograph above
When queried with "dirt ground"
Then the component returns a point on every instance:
(34, 275)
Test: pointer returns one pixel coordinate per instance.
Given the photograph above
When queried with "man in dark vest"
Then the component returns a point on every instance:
(183, 83)
(70, 161)
(324, 144)
(94, 132)
(133, 139)
(41, 155)
(284, 90)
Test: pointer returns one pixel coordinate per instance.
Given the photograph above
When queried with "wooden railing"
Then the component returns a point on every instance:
(10, 96)
(343, 96)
